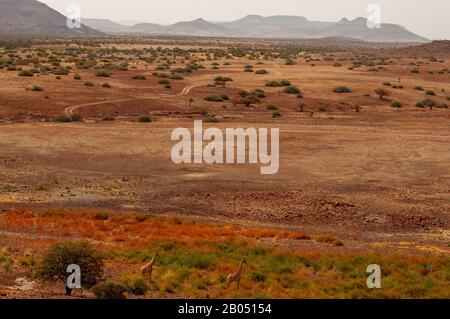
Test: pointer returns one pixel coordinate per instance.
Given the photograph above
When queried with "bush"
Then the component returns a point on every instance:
(77, 77)
(342, 89)
(138, 286)
(164, 82)
(145, 119)
(285, 83)
(223, 79)
(139, 77)
(88, 83)
(211, 119)
(396, 104)
(381, 93)
(292, 90)
(103, 74)
(214, 98)
(106, 85)
(26, 73)
(273, 84)
(34, 88)
(430, 92)
(109, 290)
(63, 119)
(272, 107)
(261, 72)
(58, 257)
(418, 88)
(276, 114)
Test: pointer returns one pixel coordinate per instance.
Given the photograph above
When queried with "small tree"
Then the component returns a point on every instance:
(381, 93)
(58, 257)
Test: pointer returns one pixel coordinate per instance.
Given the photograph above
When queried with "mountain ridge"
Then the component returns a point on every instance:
(277, 26)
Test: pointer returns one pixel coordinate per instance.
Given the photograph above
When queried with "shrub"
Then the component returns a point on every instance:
(63, 119)
(223, 79)
(214, 98)
(58, 257)
(109, 290)
(211, 119)
(418, 88)
(138, 286)
(342, 89)
(276, 114)
(88, 83)
(26, 73)
(292, 90)
(272, 107)
(145, 119)
(77, 77)
(34, 88)
(381, 93)
(164, 82)
(139, 77)
(273, 84)
(103, 74)
(108, 118)
(261, 72)
(106, 85)
(430, 92)
(396, 104)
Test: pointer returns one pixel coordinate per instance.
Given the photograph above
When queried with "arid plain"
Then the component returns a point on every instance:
(364, 161)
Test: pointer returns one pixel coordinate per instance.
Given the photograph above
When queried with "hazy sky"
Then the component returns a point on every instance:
(429, 18)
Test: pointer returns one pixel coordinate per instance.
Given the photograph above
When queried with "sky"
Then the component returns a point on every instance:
(429, 18)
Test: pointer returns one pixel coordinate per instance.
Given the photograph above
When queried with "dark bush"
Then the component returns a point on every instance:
(342, 89)
(109, 290)
(145, 119)
(58, 257)
(292, 90)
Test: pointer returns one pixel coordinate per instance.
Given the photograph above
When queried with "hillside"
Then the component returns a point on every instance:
(30, 17)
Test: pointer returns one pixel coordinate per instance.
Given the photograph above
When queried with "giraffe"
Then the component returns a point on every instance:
(236, 276)
(147, 269)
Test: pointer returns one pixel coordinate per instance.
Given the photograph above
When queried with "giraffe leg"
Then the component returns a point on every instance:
(238, 283)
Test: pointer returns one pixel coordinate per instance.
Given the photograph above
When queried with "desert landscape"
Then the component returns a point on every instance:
(364, 177)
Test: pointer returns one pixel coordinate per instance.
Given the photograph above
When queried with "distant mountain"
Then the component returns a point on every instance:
(280, 26)
(33, 17)
(30, 17)
(197, 27)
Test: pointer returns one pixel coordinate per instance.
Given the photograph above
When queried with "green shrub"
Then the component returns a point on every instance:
(138, 286)
(223, 79)
(26, 73)
(63, 119)
(109, 290)
(214, 98)
(261, 72)
(272, 107)
(273, 84)
(87, 83)
(430, 92)
(342, 89)
(139, 77)
(292, 90)
(396, 104)
(59, 256)
(77, 77)
(276, 114)
(106, 85)
(418, 88)
(145, 119)
(211, 119)
(103, 74)
(164, 82)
